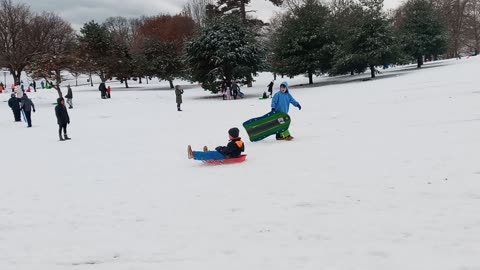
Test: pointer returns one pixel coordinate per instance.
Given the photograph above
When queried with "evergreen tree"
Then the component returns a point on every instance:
(223, 49)
(422, 30)
(234, 7)
(97, 46)
(304, 44)
(346, 17)
(372, 42)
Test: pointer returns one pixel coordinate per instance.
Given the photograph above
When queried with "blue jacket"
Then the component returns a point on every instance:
(281, 101)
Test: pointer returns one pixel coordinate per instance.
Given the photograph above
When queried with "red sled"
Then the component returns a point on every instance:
(241, 158)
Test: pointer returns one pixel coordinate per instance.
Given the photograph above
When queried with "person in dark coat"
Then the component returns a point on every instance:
(103, 90)
(234, 148)
(27, 105)
(69, 97)
(14, 104)
(62, 119)
(178, 94)
(270, 88)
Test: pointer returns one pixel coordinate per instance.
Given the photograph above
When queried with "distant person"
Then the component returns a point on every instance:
(235, 89)
(103, 90)
(270, 89)
(281, 103)
(34, 85)
(42, 84)
(109, 91)
(14, 104)
(178, 96)
(62, 119)
(27, 107)
(69, 97)
(2, 87)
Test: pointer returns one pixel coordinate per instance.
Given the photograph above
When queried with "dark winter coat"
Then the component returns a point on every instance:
(69, 93)
(27, 104)
(233, 149)
(178, 94)
(102, 88)
(270, 87)
(62, 114)
(14, 103)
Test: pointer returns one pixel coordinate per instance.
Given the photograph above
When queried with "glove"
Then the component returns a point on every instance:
(33, 110)
(219, 148)
(273, 109)
(299, 106)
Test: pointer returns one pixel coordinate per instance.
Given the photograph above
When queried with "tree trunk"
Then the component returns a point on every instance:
(146, 78)
(372, 71)
(90, 78)
(126, 83)
(243, 13)
(419, 62)
(352, 73)
(140, 80)
(274, 76)
(76, 80)
(171, 84)
(16, 76)
(310, 77)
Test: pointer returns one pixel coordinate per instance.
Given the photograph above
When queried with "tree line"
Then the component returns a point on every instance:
(211, 41)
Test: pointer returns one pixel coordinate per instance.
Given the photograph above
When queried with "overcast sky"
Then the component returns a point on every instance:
(79, 12)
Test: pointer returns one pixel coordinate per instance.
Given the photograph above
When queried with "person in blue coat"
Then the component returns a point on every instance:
(281, 103)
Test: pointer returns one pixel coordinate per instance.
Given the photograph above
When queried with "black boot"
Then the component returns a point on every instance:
(61, 139)
(66, 137)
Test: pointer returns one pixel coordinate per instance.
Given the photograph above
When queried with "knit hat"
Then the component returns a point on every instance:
(234, 132)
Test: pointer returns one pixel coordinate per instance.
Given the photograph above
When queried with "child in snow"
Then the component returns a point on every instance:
(233, 149)
(62, 119)
(178, 96)
(281, 103)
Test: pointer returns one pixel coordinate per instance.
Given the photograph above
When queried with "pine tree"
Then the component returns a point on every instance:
(346, 17)
(373, 41)
(223, 50)
(304, 44)
(97, 46)
(422, 30)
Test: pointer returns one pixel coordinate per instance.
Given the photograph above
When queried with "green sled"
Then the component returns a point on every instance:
(271, 123)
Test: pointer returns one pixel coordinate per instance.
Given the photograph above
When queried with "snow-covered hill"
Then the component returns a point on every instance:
(382, 174)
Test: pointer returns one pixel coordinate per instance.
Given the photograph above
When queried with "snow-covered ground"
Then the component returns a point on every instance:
(382, 174)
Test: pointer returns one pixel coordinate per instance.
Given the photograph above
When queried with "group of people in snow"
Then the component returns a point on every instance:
(230, 90)
(25, 106)
(104, 90)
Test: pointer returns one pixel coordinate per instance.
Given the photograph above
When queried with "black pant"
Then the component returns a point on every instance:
(16, 115)
(28, 115)
(60, 127)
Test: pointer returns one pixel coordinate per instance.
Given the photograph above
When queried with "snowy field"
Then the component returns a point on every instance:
(382, 174)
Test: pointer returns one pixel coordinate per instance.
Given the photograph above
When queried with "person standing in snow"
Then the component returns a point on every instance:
(14, 104)
(281, 103)
(69, 97)
(109, 90)
(178, 96)
(62, 119)
(270, 89)
(27, 107)
(103, 90)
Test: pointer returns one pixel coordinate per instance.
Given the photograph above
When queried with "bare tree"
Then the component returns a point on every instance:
(455, 12)
(57, 53)
(197, 10)
(471, 32)
(17, 47)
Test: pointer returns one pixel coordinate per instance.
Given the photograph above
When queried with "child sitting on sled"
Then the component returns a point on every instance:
(233, 149)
